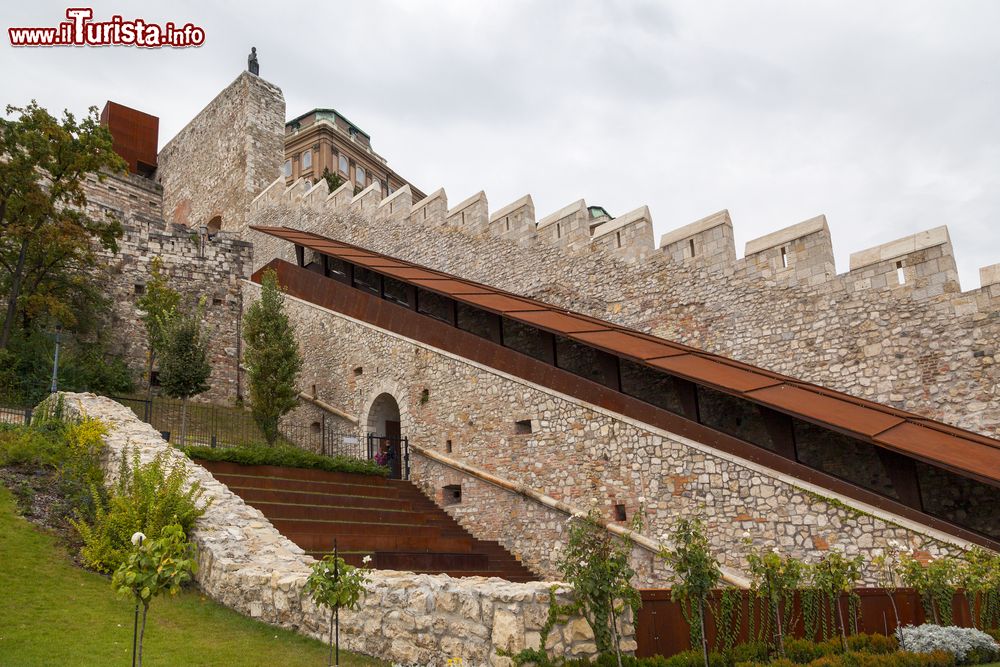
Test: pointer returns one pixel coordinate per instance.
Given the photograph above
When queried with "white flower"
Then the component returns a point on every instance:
(366, 560)
(746, 534)
(138, 539)
(583, 563)
(642, 499)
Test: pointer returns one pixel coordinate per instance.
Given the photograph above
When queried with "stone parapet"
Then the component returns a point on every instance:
(405, 618)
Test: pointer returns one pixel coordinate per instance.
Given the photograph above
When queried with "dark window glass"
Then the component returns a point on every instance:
(842, 456)
(395, 290)
(960, 500)
(367, 280)
(649, 385)
(337, 268)
(479, 322)
(435, 305)
(585, 361)
(527, 340)
(740, 419)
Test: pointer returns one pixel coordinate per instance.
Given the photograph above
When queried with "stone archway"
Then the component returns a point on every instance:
(214, 225)
(383, 409)
(385, 438)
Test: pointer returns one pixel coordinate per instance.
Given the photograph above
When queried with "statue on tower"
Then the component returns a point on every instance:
(252, 65)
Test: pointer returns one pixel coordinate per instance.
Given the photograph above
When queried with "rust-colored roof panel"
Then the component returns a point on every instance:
(558, 322)
(933, 445)
(450, 286)
(628, 345)
(501, 303)
(404, 272)
(378, 262)
(817, 407)
(713, 372)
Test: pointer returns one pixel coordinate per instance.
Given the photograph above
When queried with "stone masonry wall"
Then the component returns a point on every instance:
(920, 346)
(197, 265)
(576, 453)
(225, 156)
(405, 618)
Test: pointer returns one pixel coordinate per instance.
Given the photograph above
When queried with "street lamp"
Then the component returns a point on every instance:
(55, 361)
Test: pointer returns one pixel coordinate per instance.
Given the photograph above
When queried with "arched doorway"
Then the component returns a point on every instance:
(385, 438)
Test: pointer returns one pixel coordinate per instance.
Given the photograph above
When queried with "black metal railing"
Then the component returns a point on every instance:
(223, 426)
(391, 452)
(15, 415)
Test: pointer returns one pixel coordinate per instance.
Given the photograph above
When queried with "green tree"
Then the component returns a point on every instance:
(158, 304)
(155, 567)
(272, 358)
(334, 584)
(184, 367)
(47, 238)
(333, 178)
(696, 573)
(598, 566)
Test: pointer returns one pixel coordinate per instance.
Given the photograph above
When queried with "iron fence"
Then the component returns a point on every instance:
(15, 415)
(391, 452)
(215, 425)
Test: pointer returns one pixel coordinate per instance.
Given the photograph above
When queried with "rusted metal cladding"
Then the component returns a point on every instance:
(939, 444)
(134, 136)
(661, 628)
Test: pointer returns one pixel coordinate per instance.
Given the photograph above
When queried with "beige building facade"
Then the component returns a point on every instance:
(323, 139)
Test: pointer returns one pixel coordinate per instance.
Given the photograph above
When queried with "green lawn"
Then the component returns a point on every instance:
(54, 613)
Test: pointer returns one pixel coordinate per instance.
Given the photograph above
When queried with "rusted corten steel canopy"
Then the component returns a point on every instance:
(933, 442)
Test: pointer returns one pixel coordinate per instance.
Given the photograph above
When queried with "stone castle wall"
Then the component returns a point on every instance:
(577, 453)
(405, 618)
(224, 157)
(198, 266)
(920, 345)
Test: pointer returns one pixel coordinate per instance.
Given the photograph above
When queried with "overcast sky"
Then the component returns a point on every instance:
(885, 116)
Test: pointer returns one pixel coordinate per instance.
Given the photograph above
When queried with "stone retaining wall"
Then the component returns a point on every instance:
(406, 618)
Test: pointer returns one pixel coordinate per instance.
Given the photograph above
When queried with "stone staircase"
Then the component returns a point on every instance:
(390, 520)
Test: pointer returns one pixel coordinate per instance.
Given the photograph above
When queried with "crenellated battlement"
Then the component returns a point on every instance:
(923, 264)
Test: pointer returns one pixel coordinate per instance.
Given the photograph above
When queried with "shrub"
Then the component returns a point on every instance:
(30, 448)
(81, 471)
(749, 652)
(292, 457)
(960, 642)
(803, 651)
(146, 498)
(874, 643)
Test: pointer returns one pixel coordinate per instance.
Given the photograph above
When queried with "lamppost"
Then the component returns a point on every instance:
(55, 361)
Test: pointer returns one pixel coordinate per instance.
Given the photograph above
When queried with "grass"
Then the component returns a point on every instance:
(54, 613)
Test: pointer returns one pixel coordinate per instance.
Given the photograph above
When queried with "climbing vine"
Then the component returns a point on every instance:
(935, 582)
(773, 580)
(728, 615)
(834, 577)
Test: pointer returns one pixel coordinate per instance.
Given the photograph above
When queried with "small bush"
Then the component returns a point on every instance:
(756, 652)
(146, 498)
(30, 448)
(283, 455)
(803, 651)
(873, 643)
(962, 643)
